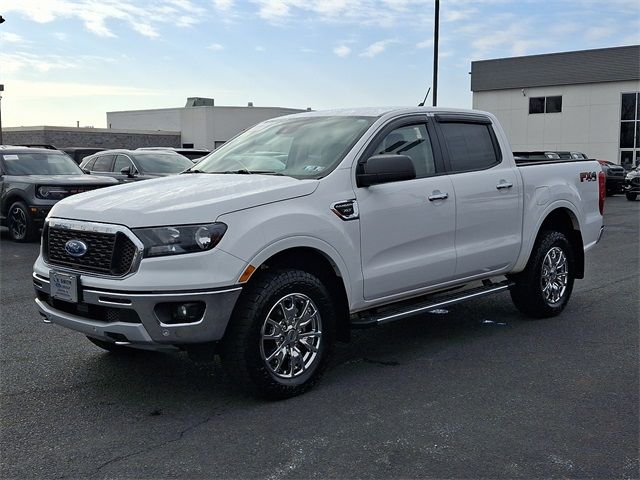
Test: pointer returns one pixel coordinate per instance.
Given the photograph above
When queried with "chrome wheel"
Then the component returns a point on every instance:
(553, 279)
(18, 223)
(291, 336)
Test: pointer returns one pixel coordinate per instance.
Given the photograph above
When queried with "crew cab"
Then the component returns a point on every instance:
(278, 243)
(32, 180)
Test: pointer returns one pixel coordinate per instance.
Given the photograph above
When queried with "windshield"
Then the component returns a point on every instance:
(154, 162)
(306, 147)
(37, 163)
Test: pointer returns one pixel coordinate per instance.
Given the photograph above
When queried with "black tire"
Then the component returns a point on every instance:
(528, 294)
(21, 227)
(631, 196)
(111, 347)
(243, 352)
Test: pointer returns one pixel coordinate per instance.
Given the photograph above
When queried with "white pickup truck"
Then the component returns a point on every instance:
(276, 244)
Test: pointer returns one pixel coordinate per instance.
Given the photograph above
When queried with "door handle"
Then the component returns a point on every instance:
(503, 185)
(438, 196)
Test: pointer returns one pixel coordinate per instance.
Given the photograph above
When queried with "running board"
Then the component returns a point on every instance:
(402, 310)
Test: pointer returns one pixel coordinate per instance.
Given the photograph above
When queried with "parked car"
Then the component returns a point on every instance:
(79, 153)
(194, 154)
(361, 217)
(615, 177)
(32, 180)
(632, 184)
(134, 165)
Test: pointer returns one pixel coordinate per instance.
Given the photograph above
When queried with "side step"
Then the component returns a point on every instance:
(410, 308)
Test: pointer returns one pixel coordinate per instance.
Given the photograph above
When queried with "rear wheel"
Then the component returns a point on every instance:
(280, 335)
(544, 287)
(21, 227)
(631, 196)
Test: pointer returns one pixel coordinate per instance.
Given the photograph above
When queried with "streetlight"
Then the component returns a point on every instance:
(436, 32)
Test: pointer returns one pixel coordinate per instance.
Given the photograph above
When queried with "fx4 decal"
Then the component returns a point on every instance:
(588, 176)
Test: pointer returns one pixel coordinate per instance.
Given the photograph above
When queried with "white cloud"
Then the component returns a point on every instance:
(457, 15)
(14, 62)
(260, 48)
(223, 5)
(378, 47)
(11, 37)
(31, 90)
(143, 16)
(215, 47)
(598, 33)
(342, 51)
(425, 44)
(63, 37)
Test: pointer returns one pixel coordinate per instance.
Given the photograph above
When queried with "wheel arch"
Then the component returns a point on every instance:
(10, 199)
(316, 260)
(563, 219)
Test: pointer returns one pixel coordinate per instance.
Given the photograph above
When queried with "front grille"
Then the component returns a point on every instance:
(73, 189)
(107, 253)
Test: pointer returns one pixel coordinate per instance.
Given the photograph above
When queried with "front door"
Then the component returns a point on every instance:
(407, 227)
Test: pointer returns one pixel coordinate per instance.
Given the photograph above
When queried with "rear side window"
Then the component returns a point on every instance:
(103, 163)
(470, 146)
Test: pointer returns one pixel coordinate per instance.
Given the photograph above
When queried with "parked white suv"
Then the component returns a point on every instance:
(305, 226)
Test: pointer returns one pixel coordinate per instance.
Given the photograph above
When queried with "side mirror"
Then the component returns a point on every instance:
(384, 169)
(128, 172)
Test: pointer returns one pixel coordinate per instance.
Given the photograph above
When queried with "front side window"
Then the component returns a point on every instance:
(470, 146)
(411, 140)
(121, 162)
(299, 147)
(35, 163)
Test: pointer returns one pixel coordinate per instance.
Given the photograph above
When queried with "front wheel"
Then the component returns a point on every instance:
(21, 227)
(280, 335)
(543, 288)
(631, 196)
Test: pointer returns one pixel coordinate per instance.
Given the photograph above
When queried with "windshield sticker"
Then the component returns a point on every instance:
(10, 157)
(314, 168)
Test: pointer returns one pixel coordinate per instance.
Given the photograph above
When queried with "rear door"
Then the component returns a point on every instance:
(407, 227)
(488, 195)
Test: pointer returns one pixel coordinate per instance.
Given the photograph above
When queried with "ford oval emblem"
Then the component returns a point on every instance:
(76, 248)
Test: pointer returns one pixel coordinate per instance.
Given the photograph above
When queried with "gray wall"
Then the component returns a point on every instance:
(84, 137)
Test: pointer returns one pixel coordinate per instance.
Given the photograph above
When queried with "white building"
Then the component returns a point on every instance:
(586, 101)
(201, 124)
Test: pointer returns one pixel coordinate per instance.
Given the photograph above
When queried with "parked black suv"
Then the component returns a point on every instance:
(32, 180)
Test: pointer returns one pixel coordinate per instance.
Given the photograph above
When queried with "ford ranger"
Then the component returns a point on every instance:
(275, 245)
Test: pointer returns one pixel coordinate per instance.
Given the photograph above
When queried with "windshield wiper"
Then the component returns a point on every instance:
(193, 171)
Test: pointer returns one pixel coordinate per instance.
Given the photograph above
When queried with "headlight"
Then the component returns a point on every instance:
(52, 192)
(160, 241)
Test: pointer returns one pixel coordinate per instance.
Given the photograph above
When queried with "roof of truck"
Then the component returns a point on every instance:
(380, 111)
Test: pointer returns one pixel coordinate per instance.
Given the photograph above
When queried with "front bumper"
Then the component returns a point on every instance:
(632, 186)
(134, 318)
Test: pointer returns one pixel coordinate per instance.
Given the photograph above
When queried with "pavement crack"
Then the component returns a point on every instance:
(177, 438)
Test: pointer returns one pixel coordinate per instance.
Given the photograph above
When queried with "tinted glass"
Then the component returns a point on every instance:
(161, 162)
(300, 147)
(33, 163)
(536, 105)
(554, 104)
(626, 158)
(103, 163)
(628, 110)
(626, 134)
(89, 164)
(637, 134)
(470, 146)
(412, 140)
(121, 162)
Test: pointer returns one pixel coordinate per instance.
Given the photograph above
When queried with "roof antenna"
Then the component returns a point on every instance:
(421, 104)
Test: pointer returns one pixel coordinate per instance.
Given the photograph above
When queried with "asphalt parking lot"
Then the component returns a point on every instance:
(475, 392)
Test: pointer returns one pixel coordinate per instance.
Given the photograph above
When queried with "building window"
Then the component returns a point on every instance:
(217, 144)
(629, 129)
(187, 145)
(545, 104)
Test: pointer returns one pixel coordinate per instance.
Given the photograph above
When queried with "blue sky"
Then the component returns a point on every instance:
(64, 61)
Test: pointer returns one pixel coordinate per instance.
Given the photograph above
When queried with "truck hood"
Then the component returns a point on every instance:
(63, 179)
(180, 199)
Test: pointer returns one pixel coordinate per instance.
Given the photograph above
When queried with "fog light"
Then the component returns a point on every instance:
(180, 312)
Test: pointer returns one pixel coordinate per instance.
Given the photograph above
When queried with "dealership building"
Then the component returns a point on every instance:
(586, 101)
(201, 123)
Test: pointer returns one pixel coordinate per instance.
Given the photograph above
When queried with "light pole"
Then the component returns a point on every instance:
(436, 33)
